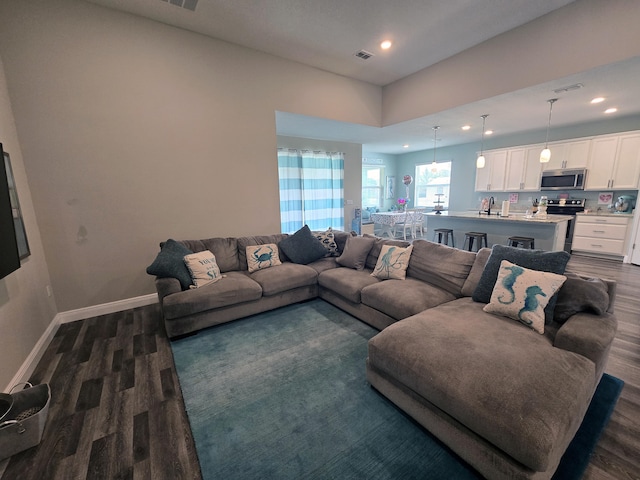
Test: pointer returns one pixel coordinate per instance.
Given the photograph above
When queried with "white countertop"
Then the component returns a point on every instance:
(605, 214)
(513, 217)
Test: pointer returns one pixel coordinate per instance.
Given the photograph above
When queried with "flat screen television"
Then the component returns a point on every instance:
(9, 256)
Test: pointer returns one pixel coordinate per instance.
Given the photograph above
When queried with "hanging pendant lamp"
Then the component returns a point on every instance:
(545, 155)
(434, 165)
(480, 161)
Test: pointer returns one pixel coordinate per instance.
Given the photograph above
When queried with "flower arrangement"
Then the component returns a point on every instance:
(402, 203)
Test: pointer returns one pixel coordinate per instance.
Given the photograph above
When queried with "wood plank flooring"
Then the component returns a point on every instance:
(117, 410)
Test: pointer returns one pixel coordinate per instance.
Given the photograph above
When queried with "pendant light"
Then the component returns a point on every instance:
(545, 155)
(434, 165)
(480, 160)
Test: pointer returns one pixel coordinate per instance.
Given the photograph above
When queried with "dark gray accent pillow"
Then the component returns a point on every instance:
(554, 262)
(170, 263)
(580, 294)
(302, 247)
(355, 252)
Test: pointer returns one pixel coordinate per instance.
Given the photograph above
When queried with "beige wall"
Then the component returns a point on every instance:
(583, 35)
(25, 308)
(136, 132)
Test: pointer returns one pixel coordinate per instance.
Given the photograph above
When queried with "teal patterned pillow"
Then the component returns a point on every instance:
(262, 256)
(392, 262)
(522, 294)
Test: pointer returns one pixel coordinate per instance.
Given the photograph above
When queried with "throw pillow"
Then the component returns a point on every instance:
(262, 256)
(328, 241)
(392, 262)
(581, 295)
(203, 268)
(355, 252)
(554, 262)
(522, 294)
(170, 263)
(302, 247)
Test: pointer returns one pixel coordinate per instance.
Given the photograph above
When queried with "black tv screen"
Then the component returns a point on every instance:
(9, 256)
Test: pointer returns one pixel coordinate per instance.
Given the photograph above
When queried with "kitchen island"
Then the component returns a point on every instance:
(549, 233)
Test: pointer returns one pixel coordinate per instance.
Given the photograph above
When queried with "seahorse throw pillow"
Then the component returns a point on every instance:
(203, 268)
(262, 256)
(392, 262)
(522, 294)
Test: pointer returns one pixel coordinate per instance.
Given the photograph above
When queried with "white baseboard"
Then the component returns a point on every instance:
(106, 308)
(29, 365)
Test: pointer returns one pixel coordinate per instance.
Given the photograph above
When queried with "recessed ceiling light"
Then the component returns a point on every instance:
(597, 100)
(406, 145)
(488, 132)
(466, 127)
(611, 110)
(386, 45)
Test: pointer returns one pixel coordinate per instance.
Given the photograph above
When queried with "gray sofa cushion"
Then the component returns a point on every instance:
(499, 378)
(347, 282)
(225, 250)
(581, 295)
(244, 242)
(440, 265)
(302, 247)
(281, 278)
(477, 268)
(326, 263)
(355, 252)
(402, 298)
(170, 263)
(554, 262)
(235, 288)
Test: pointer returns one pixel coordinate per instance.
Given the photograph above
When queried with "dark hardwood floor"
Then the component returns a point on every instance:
(117, 409)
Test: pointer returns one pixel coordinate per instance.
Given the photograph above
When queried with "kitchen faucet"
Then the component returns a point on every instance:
(492, 201)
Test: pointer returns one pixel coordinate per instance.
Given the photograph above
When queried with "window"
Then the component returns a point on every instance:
(430, 181)
(372, 186)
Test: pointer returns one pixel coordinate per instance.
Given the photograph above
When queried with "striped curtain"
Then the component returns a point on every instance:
(311, 189)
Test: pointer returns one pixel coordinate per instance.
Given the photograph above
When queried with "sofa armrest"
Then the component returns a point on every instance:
(167, 286)
(588, 335)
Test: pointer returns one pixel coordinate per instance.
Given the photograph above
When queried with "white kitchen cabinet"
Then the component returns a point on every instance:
(491, 178)
(604, 235)
(568, 155)
(523, 169)
(614, 162)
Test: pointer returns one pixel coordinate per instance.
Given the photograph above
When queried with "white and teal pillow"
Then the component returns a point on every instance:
(328, 240)
(392, 262)
(203, 268)
(262, 256)
(522, 294)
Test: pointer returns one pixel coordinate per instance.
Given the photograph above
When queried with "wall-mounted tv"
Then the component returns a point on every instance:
(9, 256)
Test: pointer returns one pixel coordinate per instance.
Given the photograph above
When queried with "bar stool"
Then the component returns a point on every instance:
(471, 236)
(443, 234)
(525, 242)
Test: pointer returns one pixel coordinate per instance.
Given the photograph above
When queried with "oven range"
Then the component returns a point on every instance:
(566, 206)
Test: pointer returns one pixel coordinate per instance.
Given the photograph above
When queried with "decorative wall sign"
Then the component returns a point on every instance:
(21, 234)
(390, 189)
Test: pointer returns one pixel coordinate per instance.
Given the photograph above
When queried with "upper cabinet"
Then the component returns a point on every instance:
(491, 178)
(523, 169)
(614, 162)
(567, 155)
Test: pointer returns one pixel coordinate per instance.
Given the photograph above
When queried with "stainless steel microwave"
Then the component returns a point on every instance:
(563, 179)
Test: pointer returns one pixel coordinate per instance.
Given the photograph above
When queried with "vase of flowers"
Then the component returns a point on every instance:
(402, 204)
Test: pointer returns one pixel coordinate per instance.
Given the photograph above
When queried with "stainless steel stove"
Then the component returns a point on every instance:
(566, 206)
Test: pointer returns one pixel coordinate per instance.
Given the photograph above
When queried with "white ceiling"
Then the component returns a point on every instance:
(327, 33)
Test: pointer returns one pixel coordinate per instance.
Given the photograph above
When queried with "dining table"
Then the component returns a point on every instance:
(389, 220)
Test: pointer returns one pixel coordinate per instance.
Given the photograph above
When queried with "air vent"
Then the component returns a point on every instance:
(364, 55)
(188, 4)
(575, 86)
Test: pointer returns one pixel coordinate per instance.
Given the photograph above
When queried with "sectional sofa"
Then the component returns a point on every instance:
(504, 397)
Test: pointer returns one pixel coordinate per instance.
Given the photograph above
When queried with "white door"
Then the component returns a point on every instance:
(635, 253)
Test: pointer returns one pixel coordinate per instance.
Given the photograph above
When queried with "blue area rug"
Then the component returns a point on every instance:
(283, 395)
